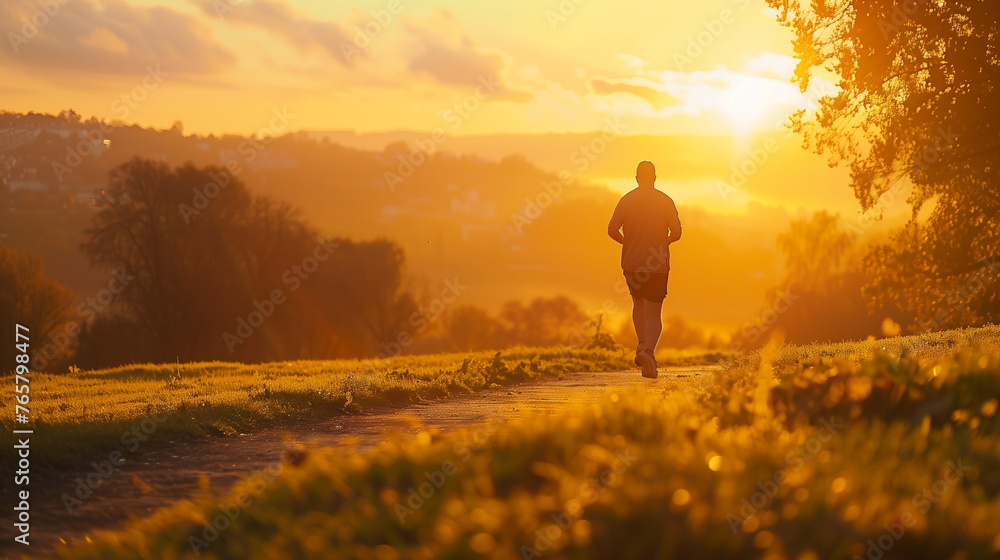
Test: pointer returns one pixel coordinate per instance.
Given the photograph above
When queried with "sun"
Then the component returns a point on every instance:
(745, 102)
(757, 98)
(751, 102)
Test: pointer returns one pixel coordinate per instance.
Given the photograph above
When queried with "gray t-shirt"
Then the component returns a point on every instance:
(649, 223)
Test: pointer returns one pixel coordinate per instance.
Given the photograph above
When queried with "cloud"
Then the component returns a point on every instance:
(111, 37)
(760, 96)
(456, 61)
(656, 98)
(455, 66)
(281, 19)
(778, 66)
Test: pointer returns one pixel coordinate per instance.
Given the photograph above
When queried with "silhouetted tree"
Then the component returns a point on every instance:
(219, 274)
(364, 289)
(471, 327)
(544, 321)
(814, 250)
(30, 298)
(820, 298)
(918, 101)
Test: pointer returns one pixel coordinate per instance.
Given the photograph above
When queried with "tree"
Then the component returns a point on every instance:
(471, 327)
(544, 321)
(217, 273)
(917, 110)
(70, 117)
(28, 297)
(362, 289)
(181, 260)
(815, 249)
(820, 298)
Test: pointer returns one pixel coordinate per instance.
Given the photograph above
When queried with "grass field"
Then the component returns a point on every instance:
(798, 452)
(91, 412)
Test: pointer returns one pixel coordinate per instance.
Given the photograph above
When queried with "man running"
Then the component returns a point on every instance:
(645, 222)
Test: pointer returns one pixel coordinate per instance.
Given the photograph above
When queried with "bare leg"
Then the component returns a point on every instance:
(639, 319)
(652, 322)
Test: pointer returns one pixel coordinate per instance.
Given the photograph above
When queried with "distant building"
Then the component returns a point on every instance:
(67, 133)
(28, 185)
(469, 203)
(260, 160)
(11, 138)
(97, 146)
(89, 200)
(73, 183)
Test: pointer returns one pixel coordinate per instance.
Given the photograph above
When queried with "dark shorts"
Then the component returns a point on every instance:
(651, 286)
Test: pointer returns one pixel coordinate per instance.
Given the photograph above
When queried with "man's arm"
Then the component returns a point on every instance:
(616, 234)
(615, 225)
(674, 223)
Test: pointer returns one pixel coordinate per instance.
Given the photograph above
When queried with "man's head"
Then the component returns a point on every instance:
(645, 174)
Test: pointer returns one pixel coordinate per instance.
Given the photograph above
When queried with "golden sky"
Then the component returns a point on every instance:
(519, 66)
(710, 79)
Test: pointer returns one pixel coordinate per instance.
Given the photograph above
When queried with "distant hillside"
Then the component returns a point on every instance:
(611, 154)
(769, 167)
(507, 226)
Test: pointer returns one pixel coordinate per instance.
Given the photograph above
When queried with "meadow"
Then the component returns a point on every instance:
(88, 413)
(877, 449)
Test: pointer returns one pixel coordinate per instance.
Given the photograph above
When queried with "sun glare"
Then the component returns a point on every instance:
(752, 103)
(744, 103)
(758, 97)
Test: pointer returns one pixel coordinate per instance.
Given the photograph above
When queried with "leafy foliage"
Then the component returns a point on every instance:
(203, 253)
(820, 298)
(32, 299)
(917, 111)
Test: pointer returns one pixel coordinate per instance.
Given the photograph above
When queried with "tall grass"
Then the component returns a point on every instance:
(799, 452)
(87, 412)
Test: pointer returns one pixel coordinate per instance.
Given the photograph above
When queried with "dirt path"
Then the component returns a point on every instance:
(162, 476)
